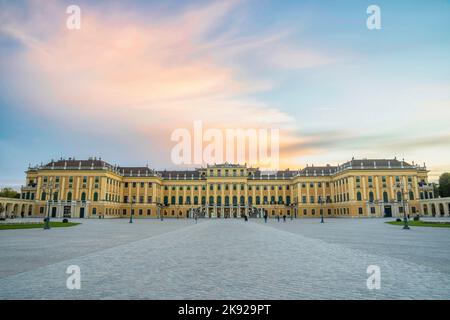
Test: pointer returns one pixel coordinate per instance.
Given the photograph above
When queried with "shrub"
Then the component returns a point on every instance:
(398, 220)
(65, 220)
(416, 218)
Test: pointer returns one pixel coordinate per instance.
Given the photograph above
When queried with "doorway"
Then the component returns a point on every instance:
(388, 211)
(81, 213)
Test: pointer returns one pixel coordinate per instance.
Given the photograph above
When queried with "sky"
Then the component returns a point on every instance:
(135, 71)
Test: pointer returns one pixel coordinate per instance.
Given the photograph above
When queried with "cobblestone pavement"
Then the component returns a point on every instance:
(226, 259)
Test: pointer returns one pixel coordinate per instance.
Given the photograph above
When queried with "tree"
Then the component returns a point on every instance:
(444, 185)
(9, 193)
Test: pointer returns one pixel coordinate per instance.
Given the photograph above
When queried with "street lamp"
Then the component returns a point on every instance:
(131, 210)
(159, 206)
(49, 187)
(321, 210)
(405, 219)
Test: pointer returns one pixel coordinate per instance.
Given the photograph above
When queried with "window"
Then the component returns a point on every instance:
(371, 199)
(360, 210)
(69, 196)
(372, 210)
(358, 196)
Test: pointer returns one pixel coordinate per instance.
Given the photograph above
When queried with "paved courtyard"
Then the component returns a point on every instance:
(226, 259)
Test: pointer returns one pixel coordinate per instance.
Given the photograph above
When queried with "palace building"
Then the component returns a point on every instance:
(94, 188)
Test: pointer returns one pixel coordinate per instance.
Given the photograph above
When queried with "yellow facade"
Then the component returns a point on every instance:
(359, 188)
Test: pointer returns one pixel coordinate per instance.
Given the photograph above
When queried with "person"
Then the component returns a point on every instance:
(195, 217)
(284, 218)
(278, 218)
(245, 218)
(265, 217)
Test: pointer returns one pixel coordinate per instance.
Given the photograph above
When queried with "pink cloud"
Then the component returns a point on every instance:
(146, 77)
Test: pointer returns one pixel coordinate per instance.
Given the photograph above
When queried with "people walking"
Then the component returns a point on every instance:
(284, 218)
(278, 218)
(265, 217)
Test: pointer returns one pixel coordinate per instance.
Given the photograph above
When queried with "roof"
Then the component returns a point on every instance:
(376, 163)
(328, 170)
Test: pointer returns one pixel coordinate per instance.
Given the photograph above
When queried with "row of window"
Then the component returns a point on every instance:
(218, 200)
(385, 196)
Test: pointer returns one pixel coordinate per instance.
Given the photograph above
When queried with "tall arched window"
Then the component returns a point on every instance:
(358, 196)
(399, 196)
(219, 200)
(166, 200)
(385, 197)
(180, 200)
(227, 200)
(55, 196)
(172, 200)
(83, 196)
(280, 199)
(195, 200)
(371, 196)
(234, 201)
(272, 199)
(43, 196)
(188, 200)
(258, 200)
(265, 200)
(95, 196)
(250, 200)
(203, 200)
(242, 200)
(211, 200)
(69, 196)
(411, 195)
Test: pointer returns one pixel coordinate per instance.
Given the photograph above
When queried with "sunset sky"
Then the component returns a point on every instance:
(138, 70)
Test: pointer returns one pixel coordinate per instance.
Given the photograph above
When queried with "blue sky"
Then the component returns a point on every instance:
(137, 70)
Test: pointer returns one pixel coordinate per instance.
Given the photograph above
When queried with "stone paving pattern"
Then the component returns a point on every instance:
(226, 259)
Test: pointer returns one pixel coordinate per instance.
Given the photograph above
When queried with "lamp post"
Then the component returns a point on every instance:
(131, 210)
(321, 210)
(49, 187)
(404, 203)
(159, 206)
